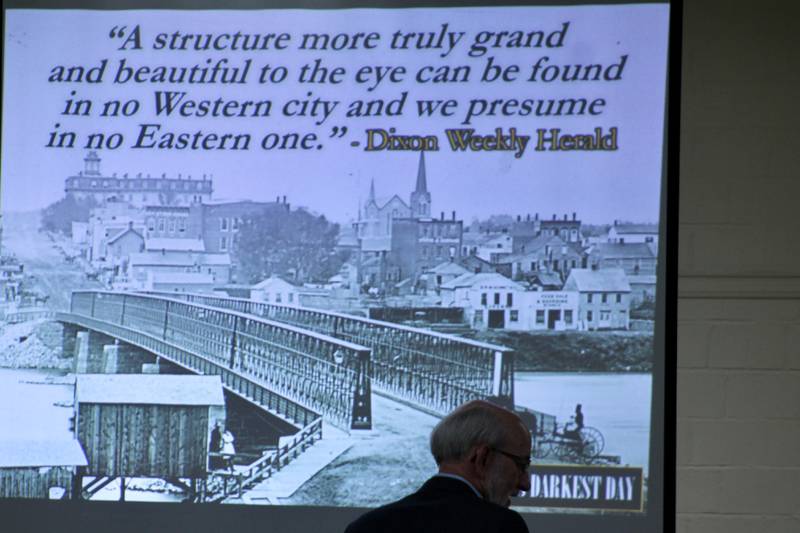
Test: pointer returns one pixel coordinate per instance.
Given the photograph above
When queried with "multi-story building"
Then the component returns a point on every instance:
(604, 297)
(635, 259)
(546, 253)
(568, 229)
(137, 191)
(419, 244)
(492, 301)
(627, 233)
(219, 222)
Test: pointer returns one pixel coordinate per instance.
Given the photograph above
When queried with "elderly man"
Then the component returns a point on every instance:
(483, 452)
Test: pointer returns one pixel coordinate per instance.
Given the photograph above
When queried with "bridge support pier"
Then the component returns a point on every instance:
(89, 352)
(123, 358)
(69, 334)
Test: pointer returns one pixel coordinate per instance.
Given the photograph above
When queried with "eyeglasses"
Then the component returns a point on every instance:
(523, 463)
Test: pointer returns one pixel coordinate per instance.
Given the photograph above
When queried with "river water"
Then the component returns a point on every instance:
(616, 404)
(31, 409)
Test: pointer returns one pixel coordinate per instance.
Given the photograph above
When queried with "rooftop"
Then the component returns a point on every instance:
(149, 389)
(602, 280)
(37, 453)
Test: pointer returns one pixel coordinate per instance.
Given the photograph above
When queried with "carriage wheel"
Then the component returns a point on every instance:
(593, 444)
(542, 447)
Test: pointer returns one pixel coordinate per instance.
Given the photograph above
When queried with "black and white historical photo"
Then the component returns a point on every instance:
(254, 258)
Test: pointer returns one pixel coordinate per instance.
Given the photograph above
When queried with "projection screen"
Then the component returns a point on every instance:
(250, 257)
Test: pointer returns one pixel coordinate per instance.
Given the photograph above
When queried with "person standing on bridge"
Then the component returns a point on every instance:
(228, 451)
(483, 453)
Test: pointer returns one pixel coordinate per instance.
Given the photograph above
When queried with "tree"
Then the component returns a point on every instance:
(59, 216)
(288, 243)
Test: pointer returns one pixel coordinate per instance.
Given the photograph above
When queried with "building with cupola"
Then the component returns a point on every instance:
(136, 190)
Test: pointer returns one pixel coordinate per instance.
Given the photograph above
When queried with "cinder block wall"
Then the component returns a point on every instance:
(739, 274)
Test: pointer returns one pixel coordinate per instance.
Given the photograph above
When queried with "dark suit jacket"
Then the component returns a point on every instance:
(441, 505)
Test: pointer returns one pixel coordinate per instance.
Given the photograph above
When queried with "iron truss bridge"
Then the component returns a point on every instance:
(296, 373)
(432, 371)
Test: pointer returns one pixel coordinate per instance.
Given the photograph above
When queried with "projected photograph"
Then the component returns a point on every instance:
(254, 257)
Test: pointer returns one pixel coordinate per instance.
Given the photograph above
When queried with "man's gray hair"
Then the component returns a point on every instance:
(472, 424)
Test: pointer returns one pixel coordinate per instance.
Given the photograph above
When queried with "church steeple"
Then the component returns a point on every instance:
(421, 198)
(422, 182)
(371, 191)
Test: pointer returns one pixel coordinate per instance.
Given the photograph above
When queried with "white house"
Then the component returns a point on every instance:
(625, 233)
(276, 290)
(605, 297)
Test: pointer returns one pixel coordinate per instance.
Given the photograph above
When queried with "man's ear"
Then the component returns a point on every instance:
(479, 456)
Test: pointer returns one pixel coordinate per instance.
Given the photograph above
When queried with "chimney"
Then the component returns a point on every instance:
(454, 216)
(565, 216)
(537, 216)
(554, 216)
(442, 217)
(574, 215)
(284, 198)
(528, 217)
(519, 218)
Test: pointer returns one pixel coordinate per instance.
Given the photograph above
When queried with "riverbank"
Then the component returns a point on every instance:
(576, 351)
(34, 344)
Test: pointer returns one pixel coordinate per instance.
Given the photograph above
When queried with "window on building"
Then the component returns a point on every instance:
(605, 314)
(588, 316)
(509, 299)
(172, 225)
(497, 298)
(604, 298)
(483, 298)
(223, 243)
(589, 297)
(478, 320)
(568, 316)
(619, 298)
(235, 223)
(513, 315)
(161, 225)
(278, 297)
(574, 263)
(151, 224)
(291, 297)
(438, 251)
(223, 224)
(181, 224)
(540, 316)
(266, 296)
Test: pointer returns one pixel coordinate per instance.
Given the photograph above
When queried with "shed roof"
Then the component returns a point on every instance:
(150, 389)
(35, 453)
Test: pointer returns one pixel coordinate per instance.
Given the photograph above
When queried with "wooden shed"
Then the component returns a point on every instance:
(147, 425)
(39, 469)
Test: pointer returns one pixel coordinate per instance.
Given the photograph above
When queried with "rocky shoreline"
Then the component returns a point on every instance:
(30, 345)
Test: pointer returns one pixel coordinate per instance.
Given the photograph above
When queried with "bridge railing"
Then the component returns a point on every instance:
(327, 374)
(225, 484)
(433, 369)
